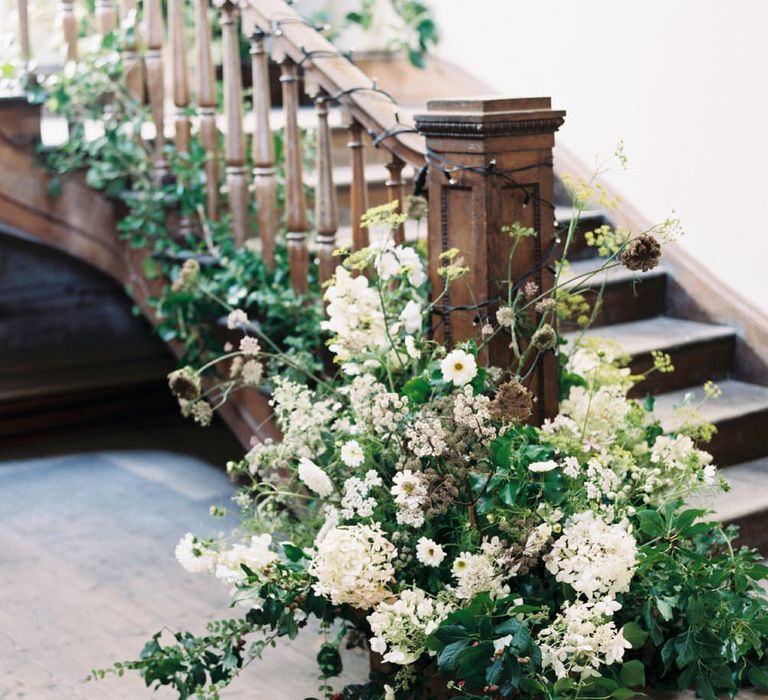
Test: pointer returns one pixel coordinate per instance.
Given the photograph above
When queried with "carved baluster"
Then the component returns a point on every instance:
(359, 191)
(105, 16)
(178, 46)
(326, 206)
(296, 206)
(26, 52)
(264, 180)
(395, 192)
(134, 77)
(153, 60)
(234, 142)
(69, 28)
(206, 107)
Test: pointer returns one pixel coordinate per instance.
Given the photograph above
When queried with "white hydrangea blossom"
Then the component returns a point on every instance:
(426, 436)
(477, 573)
(593, 557)
(194, 555)
(401, 628)
(591, 413)
(256, 555)
(357, 500)
(391, 260)
(315, 478)
(409, 491)
(678, 452)
(411, 316)
(582, 638)
(353, 564)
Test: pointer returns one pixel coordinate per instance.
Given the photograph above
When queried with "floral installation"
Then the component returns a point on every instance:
(412, 509)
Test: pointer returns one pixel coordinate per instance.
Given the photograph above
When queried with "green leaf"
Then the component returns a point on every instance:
(634, 634)
(329, 660)
(758, 676)
(625, 693)
(651, 523)
(417, 390)
(633, 673)
(292, 552)
(448, 659)
(450, 633)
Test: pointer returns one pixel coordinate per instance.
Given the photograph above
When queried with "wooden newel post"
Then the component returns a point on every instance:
(490, 165)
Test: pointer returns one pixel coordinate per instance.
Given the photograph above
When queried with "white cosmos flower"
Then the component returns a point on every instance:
(458, 367)
(411, 316)
(540, 467)
(352, 454)
(429, 553)
(315, 478)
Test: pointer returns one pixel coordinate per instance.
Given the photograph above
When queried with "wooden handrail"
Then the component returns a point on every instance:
(335, 74)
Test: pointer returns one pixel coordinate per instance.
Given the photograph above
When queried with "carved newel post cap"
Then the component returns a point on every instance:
(489, 117)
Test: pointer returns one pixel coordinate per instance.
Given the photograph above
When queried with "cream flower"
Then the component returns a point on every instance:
(458, 367)
(411, 317)
(540, 467)
(236, 319)
(193, 555)
(257, 555)
(429, 553)
(352, 454)
(315, 478)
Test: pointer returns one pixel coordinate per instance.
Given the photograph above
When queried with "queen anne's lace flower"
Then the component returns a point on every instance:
(581, 639)
(236, 319)
(473, 411)
(426, 436)
(315, 478)
(594, 558)
(401, 628)
(353, 564)
(356, 500)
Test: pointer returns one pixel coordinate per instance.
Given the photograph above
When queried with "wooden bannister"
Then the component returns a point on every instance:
(264, 175)
(296, 215)
(134, 72)
(396, 193)
(206, 107)
(234, 141)
(105, 16)
(178, 47)
(153, 61)
(326, 204)
(359, 190)
(23, 15)
(68, 23)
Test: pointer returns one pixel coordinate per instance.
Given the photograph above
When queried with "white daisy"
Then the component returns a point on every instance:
(352, 454)
(458, 367)
(429, 553)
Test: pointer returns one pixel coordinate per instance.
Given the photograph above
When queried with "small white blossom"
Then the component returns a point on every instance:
(541, 467)
(315, 478)
(257, 555)
(410, 317)
(250, 345)
(429, 553)
(193, 555)
(458, 367)
(236, 319)
(352, 454)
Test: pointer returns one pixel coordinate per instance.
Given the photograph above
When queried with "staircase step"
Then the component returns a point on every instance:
(589, 220)
(746, 504)
(700, 351)
(627, 295)
(740, 415)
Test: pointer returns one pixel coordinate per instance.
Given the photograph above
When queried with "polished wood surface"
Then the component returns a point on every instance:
(68, 23)
(178, 49)
(264, 173)
(396, 193)
(206, 106)
(134, 72)
(234, 138)
(295, 201)
(326, 205)
(105, 16)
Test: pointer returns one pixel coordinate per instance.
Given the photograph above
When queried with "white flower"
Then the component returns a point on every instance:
(458, 367)
(709, 474)
(315, 478)
(236, 319)
(401, 628)
(410, 347)
(193, 555)
(353, 564)
(389, 692)
(594, 558)
(477, 573)
(250, 345)
(356, 499)
(256, 556)
(540, 467)
(409, 491)
(411, 317)
(352, 454)
(537, 540)
(429, 553)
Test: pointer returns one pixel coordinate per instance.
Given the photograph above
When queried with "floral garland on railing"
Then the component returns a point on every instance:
(410, 509)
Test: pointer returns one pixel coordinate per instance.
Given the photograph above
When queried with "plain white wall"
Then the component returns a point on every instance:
(683, 82)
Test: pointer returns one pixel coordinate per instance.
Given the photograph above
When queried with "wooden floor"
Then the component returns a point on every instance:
(87, 573)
